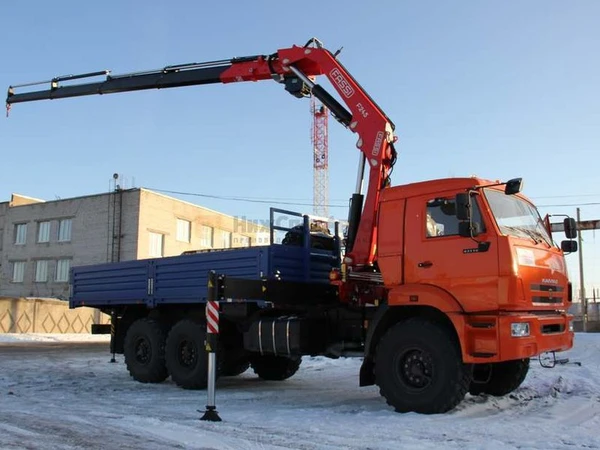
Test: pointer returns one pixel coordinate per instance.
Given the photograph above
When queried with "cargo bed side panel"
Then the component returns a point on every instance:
(290, 263)
(184, 279)
(123, 283)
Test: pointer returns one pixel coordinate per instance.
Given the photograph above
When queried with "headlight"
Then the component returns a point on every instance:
(571, 326)
(519, 329)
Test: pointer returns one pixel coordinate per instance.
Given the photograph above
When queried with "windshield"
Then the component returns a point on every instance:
(516, 217)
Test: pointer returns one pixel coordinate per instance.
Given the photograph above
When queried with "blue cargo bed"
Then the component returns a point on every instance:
(183, 279)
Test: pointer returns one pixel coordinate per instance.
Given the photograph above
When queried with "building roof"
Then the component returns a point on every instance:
(20, 200)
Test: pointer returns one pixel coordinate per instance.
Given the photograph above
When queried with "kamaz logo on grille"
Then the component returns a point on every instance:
(342, 83)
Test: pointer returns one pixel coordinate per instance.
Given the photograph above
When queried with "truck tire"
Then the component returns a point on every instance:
(418, 367)
(501, 378)
(233, 362)
(187, 360)
(144, 351)
(234, 368)
(275, 368)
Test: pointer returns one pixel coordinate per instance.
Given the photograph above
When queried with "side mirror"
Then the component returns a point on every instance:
(570, 228)
(463, 206)
(568, 246)
(466, 229)
(513, 186)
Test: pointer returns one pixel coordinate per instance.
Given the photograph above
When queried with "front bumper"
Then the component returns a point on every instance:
(487, 338)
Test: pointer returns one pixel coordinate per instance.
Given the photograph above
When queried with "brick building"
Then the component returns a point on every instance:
(41, 240)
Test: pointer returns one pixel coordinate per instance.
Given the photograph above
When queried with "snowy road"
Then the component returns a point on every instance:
(66, 395)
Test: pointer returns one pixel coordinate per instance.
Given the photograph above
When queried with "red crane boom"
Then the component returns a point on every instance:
(295, 67)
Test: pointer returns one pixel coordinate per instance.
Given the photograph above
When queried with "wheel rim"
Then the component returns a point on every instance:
(187, 354)
(143, 350)
(415, 368)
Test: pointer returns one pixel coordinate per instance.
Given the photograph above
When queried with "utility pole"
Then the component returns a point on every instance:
(581, 281)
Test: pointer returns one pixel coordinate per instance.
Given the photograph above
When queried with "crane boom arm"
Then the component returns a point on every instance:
(296, 67)
(174, 76)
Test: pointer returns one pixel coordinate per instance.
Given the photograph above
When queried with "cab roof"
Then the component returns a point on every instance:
(437, 186)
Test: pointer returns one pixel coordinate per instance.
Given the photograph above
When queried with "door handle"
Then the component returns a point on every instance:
(425, 264)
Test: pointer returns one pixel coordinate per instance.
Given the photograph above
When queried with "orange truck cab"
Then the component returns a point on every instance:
(485, 258)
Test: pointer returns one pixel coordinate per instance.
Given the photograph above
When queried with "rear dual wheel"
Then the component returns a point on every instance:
(151, 357)
(144, 351)
(186, 356)
(275, 368)
(234, 361)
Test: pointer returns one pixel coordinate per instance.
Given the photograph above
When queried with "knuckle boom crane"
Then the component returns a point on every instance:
(293, 67)
(446, 286)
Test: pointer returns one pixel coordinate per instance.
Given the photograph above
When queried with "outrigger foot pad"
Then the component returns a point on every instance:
(211, 414)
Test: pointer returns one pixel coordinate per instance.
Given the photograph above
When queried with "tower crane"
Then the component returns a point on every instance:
(320, 143)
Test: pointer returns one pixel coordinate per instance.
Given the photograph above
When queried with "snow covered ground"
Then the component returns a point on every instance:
(26, 338)
(58, 393)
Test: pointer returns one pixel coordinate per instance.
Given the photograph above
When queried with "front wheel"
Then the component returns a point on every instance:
(499, 378)
(418, 367)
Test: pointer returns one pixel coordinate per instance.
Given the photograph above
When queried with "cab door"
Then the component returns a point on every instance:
(437, 255)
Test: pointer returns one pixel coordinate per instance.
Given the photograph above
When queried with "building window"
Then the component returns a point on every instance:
(225, 239)
(206, 236)
(64, 230)
(21, 234)
(62, 270)
(157, 245)
(43, 232)
(41, 271)
(18, 271)
(183, 230)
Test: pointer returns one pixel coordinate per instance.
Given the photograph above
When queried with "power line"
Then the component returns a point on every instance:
(567, 196)
(239, 199)
(283, 200)
(570, 204)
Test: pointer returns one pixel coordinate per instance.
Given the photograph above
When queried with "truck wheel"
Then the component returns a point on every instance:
(418, 367)
(234, 368)
(186, 355)
(144, 351)
(275, 368)
(500, 378)
(234, 362)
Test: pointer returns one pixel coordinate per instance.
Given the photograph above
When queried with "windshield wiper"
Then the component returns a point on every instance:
(524, 231)
(533, 235)
(536, 235)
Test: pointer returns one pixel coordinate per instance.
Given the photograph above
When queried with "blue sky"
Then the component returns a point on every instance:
(496, 89)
